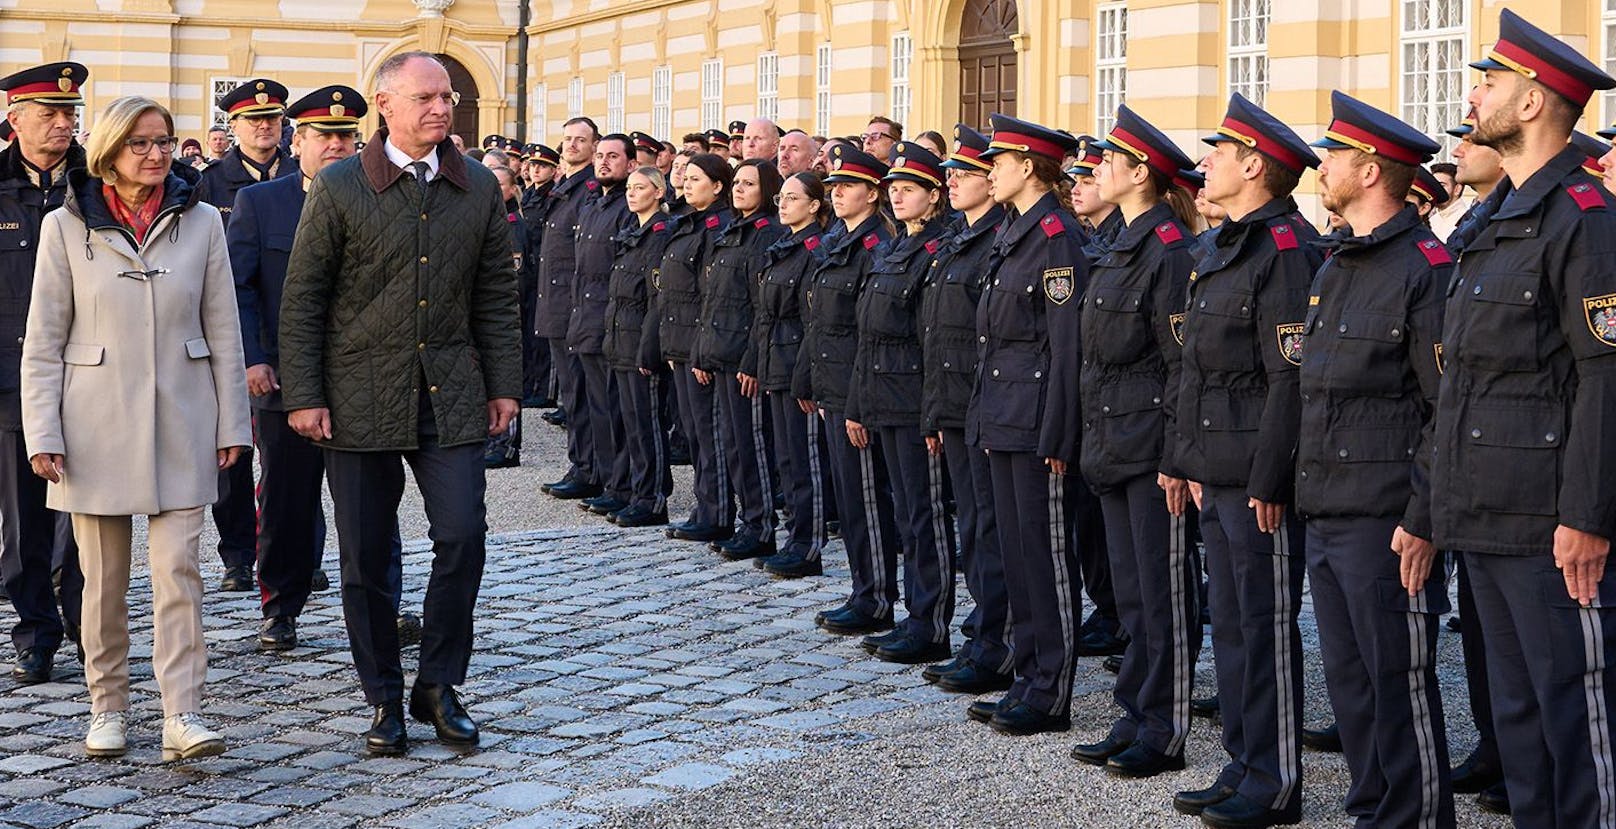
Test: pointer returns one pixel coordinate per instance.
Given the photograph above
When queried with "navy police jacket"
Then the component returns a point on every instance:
(777, 327)
(886, 387)
(1525, 437)
(599, 221)
(1238, 405)
(259, 238)
(628, 291)
(552, 309)
(23, 205)
(1028, 338)
(1371, 365)
(222, 179)
(948, 300)
(825, 366)
(1132, 320)
(676, 291)
(729, 288)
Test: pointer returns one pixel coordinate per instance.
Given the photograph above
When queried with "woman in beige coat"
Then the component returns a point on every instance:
(134, 397)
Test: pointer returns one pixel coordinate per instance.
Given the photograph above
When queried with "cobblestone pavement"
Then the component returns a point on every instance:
(621, 680)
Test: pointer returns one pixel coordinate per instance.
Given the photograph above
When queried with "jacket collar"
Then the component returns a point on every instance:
(84, 199)
(1129, 236)
(847, 239)
(987, 224)
(1406, 219)
(381, 172)
(1233, 232)
(911, 243)
(1531, 193)
(633, 232)
(14, 171)
(564, 187)
(1019, 225)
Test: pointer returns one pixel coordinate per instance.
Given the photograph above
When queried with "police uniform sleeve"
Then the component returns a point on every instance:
(853, 409)
(50, 315)
(241, 237)
(1586, 290)
(1424, 330)
(311, 275)
(1061, 431)
(1281, 299)
(802, 386)
(496, 321)
(651, 330)
(1167, 324)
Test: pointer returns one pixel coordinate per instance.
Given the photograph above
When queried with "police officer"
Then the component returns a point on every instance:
(1369, 381)
(291, 537)
(1237, 424)
(552, 305)
(1098, 215)
(646, 149)
(494, 141)
(1130, 380)
(33, 182)
(1024, 413)
(537, 379)
(504, 450)
(1525, 460)
(948, 299)
(1427, 193)
(599, 220)
(884, 400)
(737, 141)
(858, 238)
(256, 110)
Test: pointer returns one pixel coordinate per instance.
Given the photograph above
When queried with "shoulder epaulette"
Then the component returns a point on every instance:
(761, 223)
(1284, 236)
(811, 243)
(1586, 196)
(592, 184)
(1168, 233)
(658, 227)
(712, 222)
(933, 245)
(1436, 253)
(871, 240)
(1052, 226)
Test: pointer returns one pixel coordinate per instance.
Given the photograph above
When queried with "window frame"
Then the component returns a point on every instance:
(1110, 63)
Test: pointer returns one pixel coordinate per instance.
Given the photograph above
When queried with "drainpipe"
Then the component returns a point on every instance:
(523, 16)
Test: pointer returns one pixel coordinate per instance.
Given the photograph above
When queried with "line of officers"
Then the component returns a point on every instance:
(904, 328)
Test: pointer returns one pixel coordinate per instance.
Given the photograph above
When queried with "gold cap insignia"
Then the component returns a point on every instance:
(260, 86)
(836, 165)
(262, 97)
(337, 110)
(64, 84)
(336, 96)
(899, 162)
(67, 71)
(956, 132)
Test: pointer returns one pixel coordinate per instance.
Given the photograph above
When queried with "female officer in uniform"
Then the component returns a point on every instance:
(1024, 413)
(864, 503)
(677, 293)
(777, 334)
(729, 284)
(885, 398)
(948, 302)
(640, 246)
(1129, 379)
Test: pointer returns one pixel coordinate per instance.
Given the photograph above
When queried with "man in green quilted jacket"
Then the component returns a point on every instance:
(400, 343)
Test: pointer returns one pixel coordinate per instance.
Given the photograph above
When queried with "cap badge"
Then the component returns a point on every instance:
(899, 161)
(836, 164)
(262, 97)
(338, 110)
(260, 86)
(64, 84)
(336, 96)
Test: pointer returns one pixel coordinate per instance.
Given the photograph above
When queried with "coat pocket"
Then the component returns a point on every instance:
(1512, 459)
(196, 348)
(1501, 334)
(1131, 421)
(1013, 387)
(1220, 331)
(1119, 332)
(79, 354)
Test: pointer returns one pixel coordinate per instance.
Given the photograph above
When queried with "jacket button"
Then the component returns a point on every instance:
(1476, 290)
(1304, 474)
(433, 389)
(1105, 410)
(878, 368)
(23, 243)
(1207, 422)
(1342, 328)
(420, 346)
(1203, 303)
(946, 365)
(422, 303)
(1475, 433)
(995, 372)
(1527, 295)
(1156, 400)
(1342, 454)
(1397, 332)
(1037, 375)
(1098, 302)
(423, 217)
(423, 260)
(981, 339)
(1550, 437)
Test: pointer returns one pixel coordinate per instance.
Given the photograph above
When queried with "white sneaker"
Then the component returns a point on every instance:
(106, 736)
(186, 737)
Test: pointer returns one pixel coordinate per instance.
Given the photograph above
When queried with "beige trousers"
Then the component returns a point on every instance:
(179, 653)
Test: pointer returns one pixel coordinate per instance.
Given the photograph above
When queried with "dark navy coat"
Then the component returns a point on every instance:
(259, 238)
(778, 328)
(552, 311)
(729, 289)
(222, 179)
(23, 206)
(639, 256)
(676, 291)
(825, 366)
(599, 221)
(948, 299)
(887, 369)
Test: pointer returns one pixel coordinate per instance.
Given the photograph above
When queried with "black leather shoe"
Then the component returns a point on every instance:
(556, 417)
(602, 505)
(1206, 708)
(574, 490)
(409, 629)
(1327, 739)
(792, 566)
(855, 623)
(1454, 624)
(983, 709)
(440, 706)
(974, 679)
(387, 736)
(1475, 775)
(930, 673)
(320, 582)
(1195, 801)
(1095, 754)
(1140, 760)
(911, 650)
(743, 547)
(699, 532)
(833, 529)
(565, 479)
(278, 633)
(1494, 799)
(501, 460)
(636, 516)
(1100, 642)
(819, 618)
(1021, 720)
(678, 454)
(33, 666)
(1240, 812)
(1113, 664)
(873, 643)
(238, 579)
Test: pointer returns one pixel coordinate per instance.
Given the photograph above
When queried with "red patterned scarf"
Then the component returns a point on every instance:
(139, 221)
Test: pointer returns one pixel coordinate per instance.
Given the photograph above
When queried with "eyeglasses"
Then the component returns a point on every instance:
(872, 136)
(782, 198)
(140, 145)
(450, 98)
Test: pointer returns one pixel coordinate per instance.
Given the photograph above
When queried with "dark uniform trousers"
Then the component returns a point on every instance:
(924, 531)
(570, 395)
(746, 454)
(366, 488)
(32, 538)
(1379, 650)
(1091, 541)
(604, 424)
(1158, 599)
(799, 446)
(537, 379)
(1254, 586)
(235, 513)
(645, 440)
(864, 502)
(698, 409)
(1547, 662)
(1033, 510)
(987, 639)
(1474, 648)
(291, 531)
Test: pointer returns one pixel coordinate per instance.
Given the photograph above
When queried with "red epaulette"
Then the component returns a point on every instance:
(659, 226)
(510, 217)
(933, 245)
(761, 223)
(1436, 253)
(712, 222)
(1586, 196)
(1052, 226)
(1284, 237)
(811, 243)
(871, 240)
(1168, 233)
(592, 184)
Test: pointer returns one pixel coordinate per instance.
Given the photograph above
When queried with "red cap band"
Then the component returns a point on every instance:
(1547, 74)
(1383, 145)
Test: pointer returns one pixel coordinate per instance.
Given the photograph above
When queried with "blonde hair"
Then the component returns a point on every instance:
(113, 128)
(653, 175)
